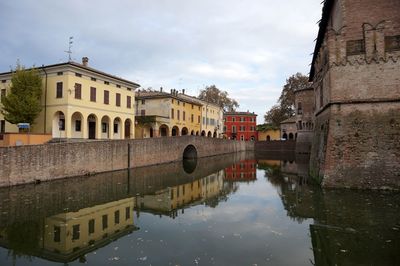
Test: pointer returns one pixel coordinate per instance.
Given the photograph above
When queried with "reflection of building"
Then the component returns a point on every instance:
(288, 129)
(241, 171)
(80, 102)
(240, 125)
(168, 200)
(67, 236)
(160, 113)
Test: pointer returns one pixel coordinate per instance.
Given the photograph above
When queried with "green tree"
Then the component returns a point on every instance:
(22, 103)
(214, 95)
(285, 107)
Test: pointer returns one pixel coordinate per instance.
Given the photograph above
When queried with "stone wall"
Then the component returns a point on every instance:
(27, 164)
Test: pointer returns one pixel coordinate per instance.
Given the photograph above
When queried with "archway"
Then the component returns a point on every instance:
(284, 136)
(92, 122)
(128, 124)
(268, 138)
(175, 131)
(190, 152)
(192, 133)
(184, 131)
(105, 127)
(151, 132)
(209, 134)
(203, 133)
(117, 128)
(76, 125)
(164, 130)
(58, 128)
(291, 136)
(215, 135)
(197, 133)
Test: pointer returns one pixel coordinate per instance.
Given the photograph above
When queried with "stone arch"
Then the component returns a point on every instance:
(128, 128)
(209, 134)
(185, 131)
(175, 131)
(192, 133)
(268, 138)
(105, 127)
(164, 130)
(117, 128)
(92, 126)
(291, 136)
(197, 133)
(77, 125)
(215, 135)
(203, 133)
(284, 136)
(58, 127)
(190, 152)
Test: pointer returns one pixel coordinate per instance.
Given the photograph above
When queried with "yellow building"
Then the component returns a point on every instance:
(80, 102)
(268, 133)
(160, 113)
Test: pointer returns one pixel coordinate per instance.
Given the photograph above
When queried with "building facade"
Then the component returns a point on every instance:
(240, 126)
(355, 76)
(80, 102)
(267, 132)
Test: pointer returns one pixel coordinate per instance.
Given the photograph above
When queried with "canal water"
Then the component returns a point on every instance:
(236, 209)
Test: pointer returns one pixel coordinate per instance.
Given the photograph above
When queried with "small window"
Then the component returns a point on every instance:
(128, 102)
(143, 101)
(172, 113)
(118, 86)
(118, 99)
(355, 47)
(129, 89)
(392, 43)
(78, 91)
(104, 127)
(4, 81)
(93, 79)
(178, 114)
(57, 234)
(192, 118)
(2, 126)
(92, 94)
(91, 226)
(105, 221)
(106, 97)
(184, 115)
(60, 73)
(61, 124)
(127, 213)
(106, 82)
(59, 91)
(192, 106)
(75, 232)
(78, 74)
(299, 109)
(233, 119)
(115, 128)
(116, 217)
(143, 112)
(198, 119)
(78, 125)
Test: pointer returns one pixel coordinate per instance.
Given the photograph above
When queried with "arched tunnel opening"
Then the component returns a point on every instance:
(190, 152)
(189, 159)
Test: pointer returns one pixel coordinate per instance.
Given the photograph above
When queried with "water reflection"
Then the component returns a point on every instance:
(215, 208)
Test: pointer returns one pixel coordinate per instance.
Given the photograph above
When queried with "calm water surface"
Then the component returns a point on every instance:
(231, 210)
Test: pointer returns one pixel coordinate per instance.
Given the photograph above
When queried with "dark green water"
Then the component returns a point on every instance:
(232, 210)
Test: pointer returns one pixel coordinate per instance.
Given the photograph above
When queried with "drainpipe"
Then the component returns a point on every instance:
(45, 100)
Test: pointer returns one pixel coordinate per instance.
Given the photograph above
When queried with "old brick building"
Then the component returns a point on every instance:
(356, 80)
(304, 103)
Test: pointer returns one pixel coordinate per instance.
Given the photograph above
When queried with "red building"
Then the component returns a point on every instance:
(240, 125)
(241, 171)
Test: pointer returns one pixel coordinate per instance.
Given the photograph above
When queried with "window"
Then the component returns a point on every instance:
(59, 92)
(118, 99)
(57, 234)
(127, 213)
(118, 86)
(184, 115)
(92, 94)
(115, 128)
(392, 43)
(128, 102)
(106, 97)
(61, 123)
(60, 73)
(106, 82)
(105, 221)
(198, 119)
(78, 75)
(4, 81)
(233, 129)
(78, 91)
(172, 194)
(172, 113)
(192, 106)
(300, 126)
(142, 112)
(93, 79)
(104, 127)
(78, 125)
(75, 232)
(355, 47)
(143, 101)
(2, 126)
(299, 109)
(116, 217)
(178, 114)
(192, 118)
(3, 93)
(91, 226)
(233, 119)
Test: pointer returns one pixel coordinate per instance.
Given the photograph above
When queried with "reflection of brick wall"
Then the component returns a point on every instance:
(241, 171)
(46, 162)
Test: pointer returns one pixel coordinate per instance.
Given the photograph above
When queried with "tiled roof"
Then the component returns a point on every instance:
(240, 113)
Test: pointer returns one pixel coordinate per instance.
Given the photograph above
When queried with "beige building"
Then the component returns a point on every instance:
(80, 102)
(289, 129)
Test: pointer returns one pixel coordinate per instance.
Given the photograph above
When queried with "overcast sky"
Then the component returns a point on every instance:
(247, 48)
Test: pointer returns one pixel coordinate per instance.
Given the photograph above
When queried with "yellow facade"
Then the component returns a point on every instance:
(75, 103)
(269, 134)
(212, 120)
(166, 114)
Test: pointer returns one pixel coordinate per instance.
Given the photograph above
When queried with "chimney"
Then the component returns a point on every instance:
(183, 91)
(85, 61)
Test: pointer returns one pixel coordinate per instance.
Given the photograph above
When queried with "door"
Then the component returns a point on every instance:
(92, 130)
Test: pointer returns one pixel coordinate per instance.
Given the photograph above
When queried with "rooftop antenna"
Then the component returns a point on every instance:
(69, 52)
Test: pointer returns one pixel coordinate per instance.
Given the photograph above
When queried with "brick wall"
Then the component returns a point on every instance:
(26, 164)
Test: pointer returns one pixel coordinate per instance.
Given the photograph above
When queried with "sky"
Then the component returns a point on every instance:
(247, 48)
